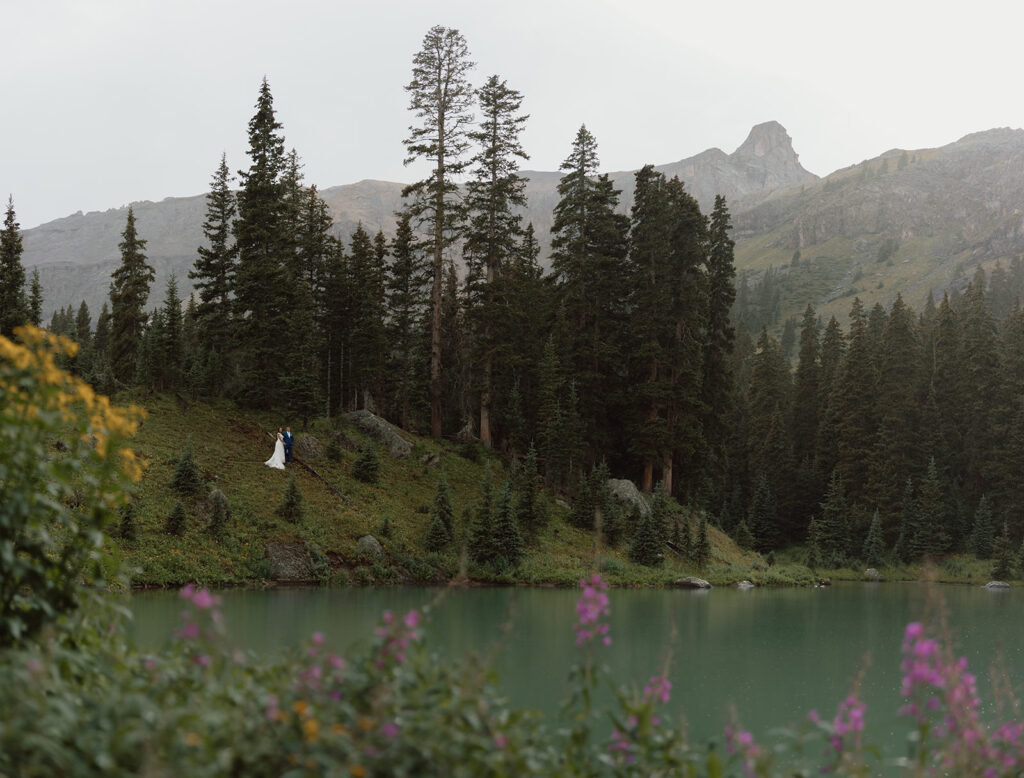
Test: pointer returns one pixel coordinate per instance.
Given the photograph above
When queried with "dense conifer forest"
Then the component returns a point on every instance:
(631, 355)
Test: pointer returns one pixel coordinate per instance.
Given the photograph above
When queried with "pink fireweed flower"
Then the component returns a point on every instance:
(187, 591)
(500, 741)
(590, 609)
(395, 637)
(389, 730)
(203, 599)
(849, 720)
(318, 638)
(658, 688)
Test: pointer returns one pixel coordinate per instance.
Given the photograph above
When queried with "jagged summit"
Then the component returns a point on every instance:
(766, 139)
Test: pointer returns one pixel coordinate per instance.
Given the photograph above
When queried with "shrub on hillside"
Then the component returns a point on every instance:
(187, 480)
(175, 523)
(366, 468)
(291, 507)
(220, 511)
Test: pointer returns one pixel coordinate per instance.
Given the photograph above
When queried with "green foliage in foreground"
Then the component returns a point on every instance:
(80, 703)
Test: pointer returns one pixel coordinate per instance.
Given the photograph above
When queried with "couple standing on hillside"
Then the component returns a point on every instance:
(282, 449)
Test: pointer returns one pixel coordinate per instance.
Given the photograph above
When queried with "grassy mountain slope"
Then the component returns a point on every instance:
(230, 447)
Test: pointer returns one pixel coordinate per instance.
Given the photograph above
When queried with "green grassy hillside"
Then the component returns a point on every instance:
(230, 447)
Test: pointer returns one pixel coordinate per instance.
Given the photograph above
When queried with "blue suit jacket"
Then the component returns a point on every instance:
(289, 439)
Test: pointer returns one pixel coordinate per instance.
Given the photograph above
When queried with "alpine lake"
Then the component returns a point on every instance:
(770, 655)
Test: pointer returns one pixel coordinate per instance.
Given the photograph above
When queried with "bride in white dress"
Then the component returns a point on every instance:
(277, 460)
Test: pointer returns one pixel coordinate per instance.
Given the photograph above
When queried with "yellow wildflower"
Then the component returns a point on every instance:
(311, 730)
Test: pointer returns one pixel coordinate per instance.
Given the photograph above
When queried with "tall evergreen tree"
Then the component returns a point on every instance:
(531, 515)
(983, 533)
(442, 99)
(853, 409)
(129, 291)
(929, 538)
(214, 268)
(407, 295)
(874, 544)
(494, 197)
(762, 519)
(588, 252)
(264, 291)
(717, 386)
(13, 306)
(35, 299)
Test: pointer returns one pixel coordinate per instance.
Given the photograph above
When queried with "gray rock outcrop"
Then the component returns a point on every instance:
(742, 585)
(368, 547)
(627, 494)
(692, 582)
(308, 447)
(290, 562)
(872, 575)
(997, 585)
(383, 432)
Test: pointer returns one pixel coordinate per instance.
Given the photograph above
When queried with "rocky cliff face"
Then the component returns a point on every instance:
(75, 255)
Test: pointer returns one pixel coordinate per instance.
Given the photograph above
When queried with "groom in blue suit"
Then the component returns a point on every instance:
(289, 441)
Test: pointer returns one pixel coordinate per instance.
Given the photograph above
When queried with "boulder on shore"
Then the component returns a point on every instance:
(997, 585)
(290, 562)
(872, 575)
(692, 582)
(743, 585)
(381, 431)
(627, 494)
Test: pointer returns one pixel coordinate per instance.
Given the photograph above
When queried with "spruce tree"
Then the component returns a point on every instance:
(874, 543)
(702, 547)
(214, 269)
(929, 536)
(175, 523)
(531, 514)
(127, 529)
(743, 537)
(905, 535)
(366, 468)
(507, 538)
(407, 294)
(187, 480)
(220, 511)
(815, 558)
(129, 291)
(833, 528)
(582, 514)
(35, 299)
(441, 98)
(645, 548)
(482, 549)
(763, 517)
(982, 540)
(292, 506)
(170, 346)
(588, 252)
(437, 537)
(13, 306)
(720, 334)
(1003, 569)
(441, 529)
(264, 286)
(495, 196)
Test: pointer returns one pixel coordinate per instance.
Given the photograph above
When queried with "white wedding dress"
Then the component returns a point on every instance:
(277, 460)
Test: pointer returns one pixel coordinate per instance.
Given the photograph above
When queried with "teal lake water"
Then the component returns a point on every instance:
(773, 654)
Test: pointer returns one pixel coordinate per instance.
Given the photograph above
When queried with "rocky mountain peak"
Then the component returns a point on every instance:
(766, 139)
(768, 158)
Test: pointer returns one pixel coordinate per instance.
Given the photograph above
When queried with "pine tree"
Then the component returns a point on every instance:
(35, 299)
(494, 197)
(874, 543)
(768, 432)
(170, 346)
(815, 558)
(129, 291)
(720, 334)
(908, 511)
(292, 506)
(441, 529)
(366, 468)
(175, 523)
(187, 480)
(13, 306)
(762, 519)
(833, 528)
(702, 548)
(220, 512)
(646, 545)
(366, 341)
(1003, 569)
(407, 294)
(482, 549)
(507, 538)
(743, 537)
(214, 268)
(437, 537)
(264, 287)
(982, 539)
(929, 536)
(582, 514)
(442, 99)
(531, 515)
(127, 529)
(588, 251)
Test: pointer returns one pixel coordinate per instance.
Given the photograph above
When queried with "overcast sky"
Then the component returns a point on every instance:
(106, 102)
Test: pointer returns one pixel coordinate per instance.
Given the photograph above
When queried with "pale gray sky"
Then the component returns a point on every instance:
(110, 101)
